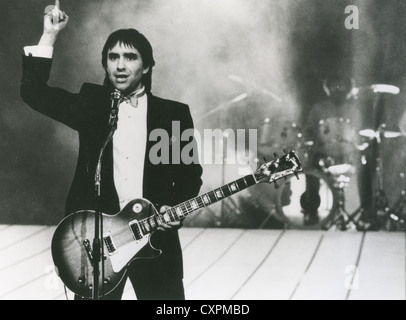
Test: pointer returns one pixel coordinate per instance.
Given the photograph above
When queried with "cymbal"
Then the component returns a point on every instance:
(385, 88)
(371, 134)
(341, 169)
(376, 88)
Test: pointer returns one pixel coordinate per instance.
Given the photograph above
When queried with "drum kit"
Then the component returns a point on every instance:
(335, 171)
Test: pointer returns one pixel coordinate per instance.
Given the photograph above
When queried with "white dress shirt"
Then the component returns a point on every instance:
(129, 145)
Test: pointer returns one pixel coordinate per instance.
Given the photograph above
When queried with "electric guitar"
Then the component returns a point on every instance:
(126, 235)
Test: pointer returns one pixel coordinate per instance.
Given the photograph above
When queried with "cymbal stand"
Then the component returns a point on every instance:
(343, 220)
(397, 214)
(381, 207)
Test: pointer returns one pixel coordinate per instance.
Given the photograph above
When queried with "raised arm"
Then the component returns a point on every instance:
(55, 103)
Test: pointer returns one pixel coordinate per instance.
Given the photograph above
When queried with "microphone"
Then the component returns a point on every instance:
(115, 97)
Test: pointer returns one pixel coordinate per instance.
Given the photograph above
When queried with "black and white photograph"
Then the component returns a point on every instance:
(217, 152)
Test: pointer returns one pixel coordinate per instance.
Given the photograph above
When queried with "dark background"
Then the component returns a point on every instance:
(285, 47)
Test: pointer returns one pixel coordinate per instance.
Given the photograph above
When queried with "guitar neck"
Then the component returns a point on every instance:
(180, 211)
(268, 172)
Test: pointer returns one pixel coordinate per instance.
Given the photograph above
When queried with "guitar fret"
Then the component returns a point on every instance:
(241, 184)
(170, 214)
(184, 209)
(188, 206)
(179, 211)
(212, 196)
(194, 204)
(250, 180)
(157, 219)
(152, 222)
(226, 191)
(233, 187)
(166, 217)
(146, 226)
(200, 202)
(175, 215)
(219, 194)
(206, 199)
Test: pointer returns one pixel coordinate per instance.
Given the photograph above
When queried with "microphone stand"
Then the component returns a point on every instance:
(98, 248)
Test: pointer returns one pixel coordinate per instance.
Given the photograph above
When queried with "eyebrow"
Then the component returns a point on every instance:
(125, 54)
(130, 55)
(113, 55)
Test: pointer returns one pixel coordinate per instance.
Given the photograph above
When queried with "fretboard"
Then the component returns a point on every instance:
(181, 210)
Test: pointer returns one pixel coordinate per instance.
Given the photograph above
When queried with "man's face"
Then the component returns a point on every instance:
(339, 91)
(125, 68)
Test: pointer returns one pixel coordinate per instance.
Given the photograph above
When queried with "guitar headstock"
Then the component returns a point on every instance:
(283, 167)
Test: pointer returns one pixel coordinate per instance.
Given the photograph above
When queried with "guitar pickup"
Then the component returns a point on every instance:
(108, 241)
(135, 228)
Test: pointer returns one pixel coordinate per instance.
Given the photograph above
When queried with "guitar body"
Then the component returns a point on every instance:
(123, 241)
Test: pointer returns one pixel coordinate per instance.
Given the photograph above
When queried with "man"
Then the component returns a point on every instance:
(333, 125)
(127, 171)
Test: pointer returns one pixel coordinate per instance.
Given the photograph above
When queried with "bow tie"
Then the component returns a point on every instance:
(132, 98)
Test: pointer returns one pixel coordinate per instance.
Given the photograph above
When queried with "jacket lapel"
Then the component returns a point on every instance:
(156, 118)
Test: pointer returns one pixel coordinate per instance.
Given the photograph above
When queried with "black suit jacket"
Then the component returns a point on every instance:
(88, 112)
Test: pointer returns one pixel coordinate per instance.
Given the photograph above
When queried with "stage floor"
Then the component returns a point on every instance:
(236, 264)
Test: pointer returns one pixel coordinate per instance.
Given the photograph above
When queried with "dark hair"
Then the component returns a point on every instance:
(131, 38)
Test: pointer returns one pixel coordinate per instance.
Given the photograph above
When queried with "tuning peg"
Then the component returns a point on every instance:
(276, 184)
(296, 175)
(285, 151)
(265, 160)
(275, 155)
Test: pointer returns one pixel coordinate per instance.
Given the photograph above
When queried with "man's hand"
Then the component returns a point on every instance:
(169, 225)
(54, 22)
